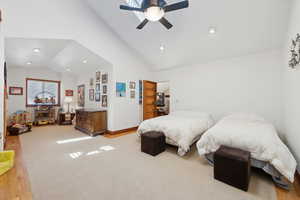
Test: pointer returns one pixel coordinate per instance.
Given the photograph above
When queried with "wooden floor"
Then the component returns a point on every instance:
(108, 135)
(293, 194)
(15, 185)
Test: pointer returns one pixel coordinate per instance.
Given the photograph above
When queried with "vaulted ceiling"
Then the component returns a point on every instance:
(243, 27)
(65, 56)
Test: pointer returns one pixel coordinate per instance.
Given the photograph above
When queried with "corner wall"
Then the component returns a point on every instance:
(291, 88)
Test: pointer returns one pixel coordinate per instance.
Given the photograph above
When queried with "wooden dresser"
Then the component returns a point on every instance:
(90, 121)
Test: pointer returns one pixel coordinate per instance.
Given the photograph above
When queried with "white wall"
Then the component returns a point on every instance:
(245, 84)
(17, 78)
(291, 80)
(1, 87)
(73, 19)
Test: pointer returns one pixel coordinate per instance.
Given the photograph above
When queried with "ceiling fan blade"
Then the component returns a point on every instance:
(176, 6)
(162, 3)
(122, 7)
(145, 4)
(166, 23)
(142, 24)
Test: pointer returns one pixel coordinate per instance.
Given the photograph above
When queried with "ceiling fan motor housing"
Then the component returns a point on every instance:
(153, 3)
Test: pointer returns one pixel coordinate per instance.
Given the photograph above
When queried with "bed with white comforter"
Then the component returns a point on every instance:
(254, 134)
(181, 128)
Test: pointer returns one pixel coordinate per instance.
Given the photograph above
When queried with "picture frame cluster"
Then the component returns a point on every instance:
(98, 88)
(121, 89)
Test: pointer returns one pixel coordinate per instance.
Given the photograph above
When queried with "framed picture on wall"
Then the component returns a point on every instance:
(140, 92)
(92, 94)
(97, 97)
(132, 94)
(132, 85)
(91, 81)
(121, 89)
(15, 91)
(104, 100)
(98, 87)
(104, 89)
(69, 93)
(81, 96)
(104, 78)
(98, 76)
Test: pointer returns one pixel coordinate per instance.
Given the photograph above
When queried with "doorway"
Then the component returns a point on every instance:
(163, 98)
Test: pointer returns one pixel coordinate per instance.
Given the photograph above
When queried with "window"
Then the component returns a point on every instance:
(42, 92)
(136, 4)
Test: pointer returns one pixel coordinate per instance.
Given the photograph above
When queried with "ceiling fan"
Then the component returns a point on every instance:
(154, 10)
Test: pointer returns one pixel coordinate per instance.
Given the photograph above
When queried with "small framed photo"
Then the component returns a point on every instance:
(91, 81)
(15, 91)
(132, 85)
(104, 78)
(97, 97)
(98, 76)
(132, 94)
(92, 94)
(69, 93)
(104, 89)
(98, 87)
(81, 95)
(121, 89)
(104, 100)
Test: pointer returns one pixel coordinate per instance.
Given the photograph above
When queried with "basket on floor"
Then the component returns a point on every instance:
(6, 161)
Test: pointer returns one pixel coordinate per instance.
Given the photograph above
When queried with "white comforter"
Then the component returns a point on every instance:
(181, 128)
(253, 134)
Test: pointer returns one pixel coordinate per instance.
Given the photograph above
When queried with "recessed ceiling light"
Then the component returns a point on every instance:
(162, 48)
(29, 63)
(84, 61)
(36, 50)
(68, 69)
(212, 30)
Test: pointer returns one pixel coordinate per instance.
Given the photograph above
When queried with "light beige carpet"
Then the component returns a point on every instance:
(62, 169)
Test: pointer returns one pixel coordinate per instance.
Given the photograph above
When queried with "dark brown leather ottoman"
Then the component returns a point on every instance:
(153, 143)
(233, 166)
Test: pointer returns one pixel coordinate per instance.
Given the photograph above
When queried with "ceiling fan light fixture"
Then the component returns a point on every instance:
(212, 30)
(154, 13)
(36, 50)
(162, 48)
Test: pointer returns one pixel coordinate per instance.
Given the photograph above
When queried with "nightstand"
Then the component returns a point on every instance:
(65, 118)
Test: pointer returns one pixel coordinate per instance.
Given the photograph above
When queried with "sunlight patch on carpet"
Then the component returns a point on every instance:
(107, 148)
(73, 140)
(75, 155)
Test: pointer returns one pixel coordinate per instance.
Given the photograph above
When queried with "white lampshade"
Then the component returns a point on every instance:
(68, 100)
(154, 13)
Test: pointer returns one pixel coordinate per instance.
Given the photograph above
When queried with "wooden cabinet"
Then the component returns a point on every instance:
(92, 122)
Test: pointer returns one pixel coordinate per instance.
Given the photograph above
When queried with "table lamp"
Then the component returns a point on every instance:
(68, 100)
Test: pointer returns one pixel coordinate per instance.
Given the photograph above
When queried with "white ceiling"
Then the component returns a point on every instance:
(243, 27)
(57, 55)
